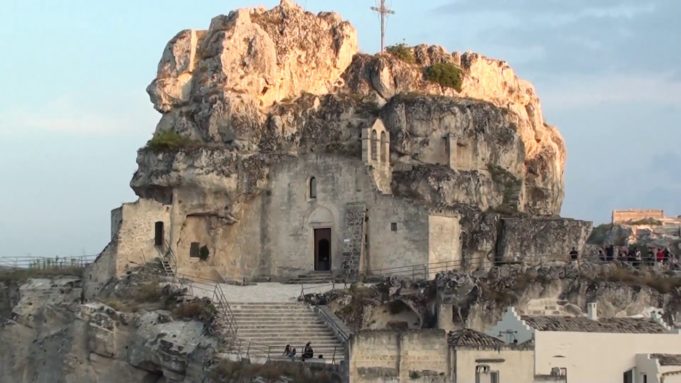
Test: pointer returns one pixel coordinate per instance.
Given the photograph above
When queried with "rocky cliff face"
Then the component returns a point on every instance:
(265, 83)
(478, 300)
(54, 336)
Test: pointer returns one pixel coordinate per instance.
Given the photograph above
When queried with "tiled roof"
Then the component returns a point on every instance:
(668, 359)
(472, 338)
(605, 325)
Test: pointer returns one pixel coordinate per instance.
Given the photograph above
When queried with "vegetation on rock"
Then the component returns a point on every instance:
(446, 74)
(402, 52)
(201, 310)
(169, 141)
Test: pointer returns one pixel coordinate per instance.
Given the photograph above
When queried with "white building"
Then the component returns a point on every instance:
(597, 350)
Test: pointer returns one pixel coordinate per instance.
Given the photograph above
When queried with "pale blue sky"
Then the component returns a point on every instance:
(73, 109)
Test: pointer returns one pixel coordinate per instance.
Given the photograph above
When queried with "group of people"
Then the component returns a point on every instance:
(634, 256)
(308, 353)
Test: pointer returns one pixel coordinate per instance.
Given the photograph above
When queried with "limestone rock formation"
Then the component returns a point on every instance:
(54, 336)
(478, 300)
(215, 84)
(265, 83)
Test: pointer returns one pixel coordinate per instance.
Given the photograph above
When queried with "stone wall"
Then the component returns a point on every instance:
(135, 237)
(632, 215)
(132, 242)
(537, 240)
(342, 183)
(389, 356)
(444, 243)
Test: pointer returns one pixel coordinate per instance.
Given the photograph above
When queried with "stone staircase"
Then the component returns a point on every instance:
(266, 328)
(313, 277)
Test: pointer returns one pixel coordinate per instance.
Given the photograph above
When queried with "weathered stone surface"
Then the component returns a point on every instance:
(215, 84)
(286, 81)
(541, 240)
(54, 337)
(484, 79)
(458, 299)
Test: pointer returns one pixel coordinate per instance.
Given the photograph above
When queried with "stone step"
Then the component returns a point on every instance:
(272, 312)
(282, 317)
(325, 347)
(276, 327)
(300, 337)
(264, 326)
(289, 319)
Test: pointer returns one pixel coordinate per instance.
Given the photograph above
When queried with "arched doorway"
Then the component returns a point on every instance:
(322, 249)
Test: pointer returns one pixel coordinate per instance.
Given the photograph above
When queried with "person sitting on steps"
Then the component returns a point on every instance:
(307, 352)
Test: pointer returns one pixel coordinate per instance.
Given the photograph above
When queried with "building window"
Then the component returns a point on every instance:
(480, 373)
(313, 188)
(393, 226)
(384, 147)
(158, 234)
(194, 250)
(374, 146)
(494, 377)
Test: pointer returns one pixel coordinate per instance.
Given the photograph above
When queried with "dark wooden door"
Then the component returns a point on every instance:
(322, 249)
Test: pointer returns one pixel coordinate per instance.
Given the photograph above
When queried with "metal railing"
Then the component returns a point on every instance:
(337, 326)
(310, 289)
(42, 263)
(249, 349)
(425, 270)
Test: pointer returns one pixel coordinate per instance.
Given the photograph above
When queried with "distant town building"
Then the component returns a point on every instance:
(636, 215)
(593, 349)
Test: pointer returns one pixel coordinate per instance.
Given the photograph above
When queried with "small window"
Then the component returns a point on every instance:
(194, 250)
(313, 188)
(374, 145)
(384, 147)
(393, 226)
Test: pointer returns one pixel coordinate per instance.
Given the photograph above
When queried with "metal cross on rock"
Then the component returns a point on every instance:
(384, 12)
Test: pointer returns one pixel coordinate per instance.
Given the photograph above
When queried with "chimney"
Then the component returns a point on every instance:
(592, 311)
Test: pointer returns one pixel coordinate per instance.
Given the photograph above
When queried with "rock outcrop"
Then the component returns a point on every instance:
(478, 300)
(265, 83)
(54, 336)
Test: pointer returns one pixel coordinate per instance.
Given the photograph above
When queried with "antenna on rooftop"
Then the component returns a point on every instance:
(383, 11)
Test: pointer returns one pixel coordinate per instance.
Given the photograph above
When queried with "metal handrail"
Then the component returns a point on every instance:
(423, 268)
(342, 332)
(46, 262)
(219, 296)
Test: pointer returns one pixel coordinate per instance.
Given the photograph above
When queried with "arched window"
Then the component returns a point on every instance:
(374, 146)
(384, 147)
(313, 188)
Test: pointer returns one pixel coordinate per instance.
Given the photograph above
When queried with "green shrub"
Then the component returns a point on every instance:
(446, 74)
(148, 292)
(402, 52)
(201, 310)
(168, 141)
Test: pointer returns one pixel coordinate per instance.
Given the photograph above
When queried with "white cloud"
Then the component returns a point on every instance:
(117, 115)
